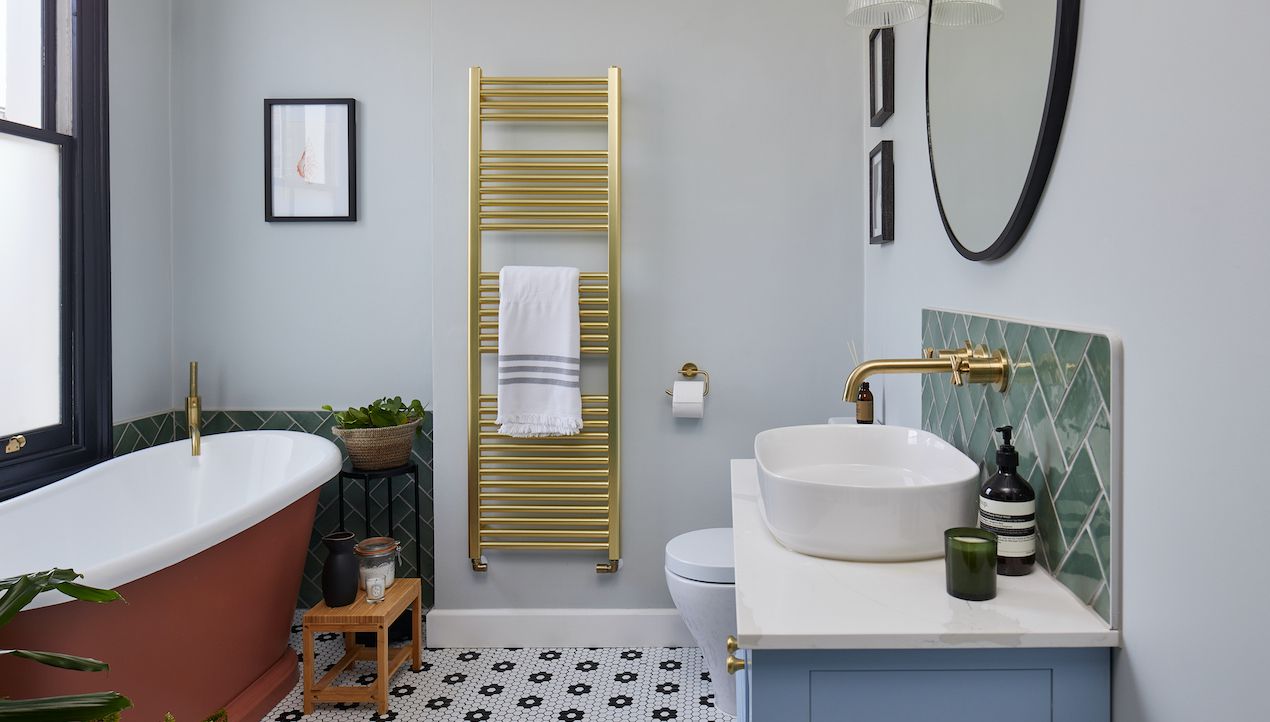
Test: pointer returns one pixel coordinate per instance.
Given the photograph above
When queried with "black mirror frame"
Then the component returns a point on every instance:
(1062, 65)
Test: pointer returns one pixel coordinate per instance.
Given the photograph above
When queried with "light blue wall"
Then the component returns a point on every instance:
(295, 315)
(1152, 226)
(740, 170)
(141, 206)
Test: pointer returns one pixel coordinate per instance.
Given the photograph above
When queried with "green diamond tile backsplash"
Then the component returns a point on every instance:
(1060, 403)
(170, 426)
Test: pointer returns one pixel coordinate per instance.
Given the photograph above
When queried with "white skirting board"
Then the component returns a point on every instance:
(556, 628)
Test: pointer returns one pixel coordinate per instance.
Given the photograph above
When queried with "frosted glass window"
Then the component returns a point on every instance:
(30, 284)
(21, 61)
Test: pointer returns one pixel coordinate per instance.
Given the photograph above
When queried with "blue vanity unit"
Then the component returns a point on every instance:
(828, 640)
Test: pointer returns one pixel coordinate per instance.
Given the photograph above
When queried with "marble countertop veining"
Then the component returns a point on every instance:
(786, 600)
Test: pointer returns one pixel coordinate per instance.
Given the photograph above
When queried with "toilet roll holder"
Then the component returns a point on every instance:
(690, 371)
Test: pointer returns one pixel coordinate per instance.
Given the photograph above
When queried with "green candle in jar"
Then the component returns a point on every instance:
(970, 563)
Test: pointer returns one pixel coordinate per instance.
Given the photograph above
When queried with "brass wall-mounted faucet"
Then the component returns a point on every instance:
(972, 364)
(193, 413)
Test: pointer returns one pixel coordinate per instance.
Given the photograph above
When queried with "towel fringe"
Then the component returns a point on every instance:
(534, 425)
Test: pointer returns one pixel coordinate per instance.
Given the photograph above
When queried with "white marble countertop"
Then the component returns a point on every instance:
(786, 600)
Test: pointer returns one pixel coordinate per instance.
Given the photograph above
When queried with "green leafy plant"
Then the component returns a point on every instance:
(381, 413)
(20, 591)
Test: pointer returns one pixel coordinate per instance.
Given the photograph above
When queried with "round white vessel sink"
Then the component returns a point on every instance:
(863, 493)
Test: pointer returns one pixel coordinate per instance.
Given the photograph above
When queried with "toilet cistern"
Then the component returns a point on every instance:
(972, 364)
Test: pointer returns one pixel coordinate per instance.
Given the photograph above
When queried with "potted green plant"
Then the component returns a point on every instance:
(380, 436)
(19, 592)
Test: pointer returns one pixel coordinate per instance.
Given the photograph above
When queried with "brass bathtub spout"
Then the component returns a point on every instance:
(193, 413)
(975, 365)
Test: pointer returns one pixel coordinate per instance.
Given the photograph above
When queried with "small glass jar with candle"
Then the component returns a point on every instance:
(377, 558)
(970, 563)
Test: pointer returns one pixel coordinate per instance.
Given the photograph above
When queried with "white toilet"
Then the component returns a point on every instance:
(702, 581)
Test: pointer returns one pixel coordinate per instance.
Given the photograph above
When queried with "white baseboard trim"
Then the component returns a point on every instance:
(556, 628)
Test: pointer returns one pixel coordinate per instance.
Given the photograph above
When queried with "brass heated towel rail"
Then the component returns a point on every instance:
(559, 493)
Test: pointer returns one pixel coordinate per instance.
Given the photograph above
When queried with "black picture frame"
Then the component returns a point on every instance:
(270, 215)
(882, 193)
(1062, 67)
(881, 71)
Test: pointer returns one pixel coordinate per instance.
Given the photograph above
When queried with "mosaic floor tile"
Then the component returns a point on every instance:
(528, 684)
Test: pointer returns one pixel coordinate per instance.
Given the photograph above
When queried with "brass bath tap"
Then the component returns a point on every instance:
(972, 364)
(193, 413)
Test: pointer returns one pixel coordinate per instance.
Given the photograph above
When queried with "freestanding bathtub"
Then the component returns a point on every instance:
(207, 551)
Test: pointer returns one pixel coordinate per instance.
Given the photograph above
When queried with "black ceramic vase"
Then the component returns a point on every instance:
(339, 573)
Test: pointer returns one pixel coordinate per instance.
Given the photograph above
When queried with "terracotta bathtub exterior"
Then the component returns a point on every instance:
(207, 633)
(208, 553)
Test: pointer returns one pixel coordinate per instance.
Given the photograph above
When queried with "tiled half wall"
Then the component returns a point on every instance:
(166, 427)
(1062, 404)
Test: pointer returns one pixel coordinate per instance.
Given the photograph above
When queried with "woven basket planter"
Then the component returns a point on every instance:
(377, 449)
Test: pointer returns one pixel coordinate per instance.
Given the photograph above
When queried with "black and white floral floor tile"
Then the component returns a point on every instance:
(528, 684)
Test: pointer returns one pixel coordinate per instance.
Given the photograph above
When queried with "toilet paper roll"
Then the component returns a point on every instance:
(688, 400)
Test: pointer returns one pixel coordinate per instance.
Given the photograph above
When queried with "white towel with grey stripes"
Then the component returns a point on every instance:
(539, 374)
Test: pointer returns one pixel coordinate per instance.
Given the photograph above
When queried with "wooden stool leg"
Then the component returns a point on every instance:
(308, 669)
(416, 642)
(350, 641)
(381, 692)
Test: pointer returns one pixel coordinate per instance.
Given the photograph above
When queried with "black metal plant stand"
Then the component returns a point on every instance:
(401, 628)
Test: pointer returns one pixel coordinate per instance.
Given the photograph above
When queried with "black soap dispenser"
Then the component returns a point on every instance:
(1007, 507)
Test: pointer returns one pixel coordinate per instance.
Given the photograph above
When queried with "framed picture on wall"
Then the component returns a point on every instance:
(311, 159)
(882, 193)
(881, 75)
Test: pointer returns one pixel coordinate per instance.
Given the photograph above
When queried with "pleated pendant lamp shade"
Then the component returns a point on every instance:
(964, 13)
(883, 13)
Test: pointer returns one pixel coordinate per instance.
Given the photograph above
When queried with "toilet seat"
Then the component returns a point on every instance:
(704, 555)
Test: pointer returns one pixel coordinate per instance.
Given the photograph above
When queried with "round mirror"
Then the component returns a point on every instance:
(996, 92)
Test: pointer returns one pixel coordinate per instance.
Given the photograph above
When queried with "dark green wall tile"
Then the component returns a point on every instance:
(127, 439)
(977, 327)
(1047, 527)
(1100, 447)
(1048, 451)
(1100, 360)
(1022, 385)
(1049, 376)
(1081, 573)
(1102, 603)
(995, 338)
(1015, 338)
(1100, 530)
(1059, 403)
(1076, 498)
(1080, 407)
(1070, 347)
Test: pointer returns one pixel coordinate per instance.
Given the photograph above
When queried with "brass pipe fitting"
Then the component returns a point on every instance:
(194, 413)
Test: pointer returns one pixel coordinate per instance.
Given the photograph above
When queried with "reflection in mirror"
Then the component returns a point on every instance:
(993, 125)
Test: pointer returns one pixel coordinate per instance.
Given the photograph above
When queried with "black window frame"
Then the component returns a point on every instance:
(84, 436)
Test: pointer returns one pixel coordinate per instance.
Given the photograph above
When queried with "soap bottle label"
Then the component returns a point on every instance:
(1014, 523)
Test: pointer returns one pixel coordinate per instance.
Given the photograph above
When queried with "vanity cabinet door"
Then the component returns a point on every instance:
(948, 685)
(1019, 695)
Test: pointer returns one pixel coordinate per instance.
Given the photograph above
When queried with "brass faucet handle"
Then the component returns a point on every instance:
(959, 365)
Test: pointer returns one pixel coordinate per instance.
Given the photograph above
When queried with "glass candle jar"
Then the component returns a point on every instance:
(970, 563)
(377, 557)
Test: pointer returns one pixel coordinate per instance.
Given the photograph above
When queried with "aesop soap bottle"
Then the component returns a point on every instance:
(1007, 507)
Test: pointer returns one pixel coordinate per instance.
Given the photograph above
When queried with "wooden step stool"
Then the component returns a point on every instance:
(362, 616)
